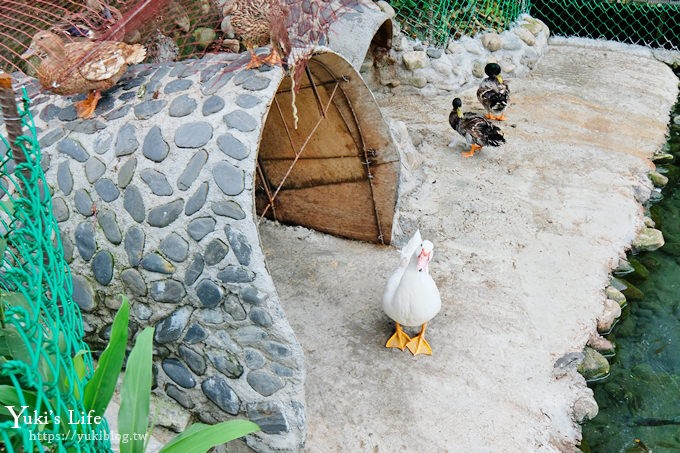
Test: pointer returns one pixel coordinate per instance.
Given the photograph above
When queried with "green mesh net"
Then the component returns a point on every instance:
(437, 21)
(648, 23)
(44, 362)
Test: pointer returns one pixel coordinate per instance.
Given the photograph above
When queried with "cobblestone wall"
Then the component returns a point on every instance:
(154, 198)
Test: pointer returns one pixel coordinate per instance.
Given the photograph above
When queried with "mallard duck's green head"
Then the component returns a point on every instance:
(493, 70)
(457, 104)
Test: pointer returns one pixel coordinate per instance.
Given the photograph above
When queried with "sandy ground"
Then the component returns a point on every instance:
(524, 239)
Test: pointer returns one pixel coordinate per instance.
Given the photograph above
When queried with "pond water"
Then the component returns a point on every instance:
(640, 400)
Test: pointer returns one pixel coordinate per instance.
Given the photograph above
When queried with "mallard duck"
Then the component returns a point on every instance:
(411, 297)
(81, 67)
(494, 93)
(476, 130)
(253, 21)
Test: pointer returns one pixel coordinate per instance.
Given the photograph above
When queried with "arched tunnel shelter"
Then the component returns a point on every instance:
(337, 172)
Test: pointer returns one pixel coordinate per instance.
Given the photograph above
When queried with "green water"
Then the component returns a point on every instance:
(640, 400)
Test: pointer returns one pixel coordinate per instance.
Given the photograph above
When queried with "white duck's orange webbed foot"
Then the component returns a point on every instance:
(399, 339)
(86, 107)
(418, 344)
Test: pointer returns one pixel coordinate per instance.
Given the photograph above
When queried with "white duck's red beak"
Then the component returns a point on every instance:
(423, 260)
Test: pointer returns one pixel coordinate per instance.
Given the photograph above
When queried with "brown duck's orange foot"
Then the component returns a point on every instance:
(273, 59)
(398, 340)
(471, 153)
(418, 344)
(255, 61)
(86, 107)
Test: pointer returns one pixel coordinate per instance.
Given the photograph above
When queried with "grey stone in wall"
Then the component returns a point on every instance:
(192, 170)
(228, 208)
(134, 203)
(155, 147)
(218, 391)
(170, 328)
(126, 172)
(94, 168)
(197, 200)
(73, 149)
(165, 214)
(194, 270)
(85, 240)
(126, 141)
(178, 373)
(134, 245)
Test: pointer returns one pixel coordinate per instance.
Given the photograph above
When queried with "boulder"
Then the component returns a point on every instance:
(658, 179)
(616, 295)
(584, 409)
(648, 239)
(611, 312)
(491, 41)
(594, 366)
(414, 59)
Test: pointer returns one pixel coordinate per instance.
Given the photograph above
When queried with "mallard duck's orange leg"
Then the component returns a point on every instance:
(255, 60)
(399, 339)
(86, 107)
(273, 59)
(418, 344)
(471, 153)
(500, 117)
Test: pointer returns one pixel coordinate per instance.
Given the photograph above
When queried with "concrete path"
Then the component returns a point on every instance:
(524, 239)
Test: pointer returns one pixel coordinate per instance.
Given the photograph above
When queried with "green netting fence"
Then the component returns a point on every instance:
(648, 23)
(44, 362)
(437, 21)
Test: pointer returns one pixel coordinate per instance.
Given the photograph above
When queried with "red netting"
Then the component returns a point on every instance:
(169, 29)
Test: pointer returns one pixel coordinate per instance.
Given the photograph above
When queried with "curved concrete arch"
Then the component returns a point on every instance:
(338, 170)
(156, 198)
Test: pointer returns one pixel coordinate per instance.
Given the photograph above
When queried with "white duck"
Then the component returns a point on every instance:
(411, 297)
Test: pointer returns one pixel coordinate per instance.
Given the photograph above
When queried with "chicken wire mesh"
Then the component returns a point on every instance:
(437, 21)
(44, 362)
(647, 23)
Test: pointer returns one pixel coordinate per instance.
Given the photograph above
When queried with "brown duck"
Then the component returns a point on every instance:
(256, 22)
(81, 67)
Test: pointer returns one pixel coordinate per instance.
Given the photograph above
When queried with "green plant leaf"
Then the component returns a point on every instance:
(135, 392)
(99, 390)
(80, 370)
(199, 438)
(10, 397)
(15, 347)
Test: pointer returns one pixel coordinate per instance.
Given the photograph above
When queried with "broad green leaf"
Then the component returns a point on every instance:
(99, 390)
(80, 370)
(10, 397)
(16, 345)
(133, 415)
(79, 364)
(14, 299)
(199, 438)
